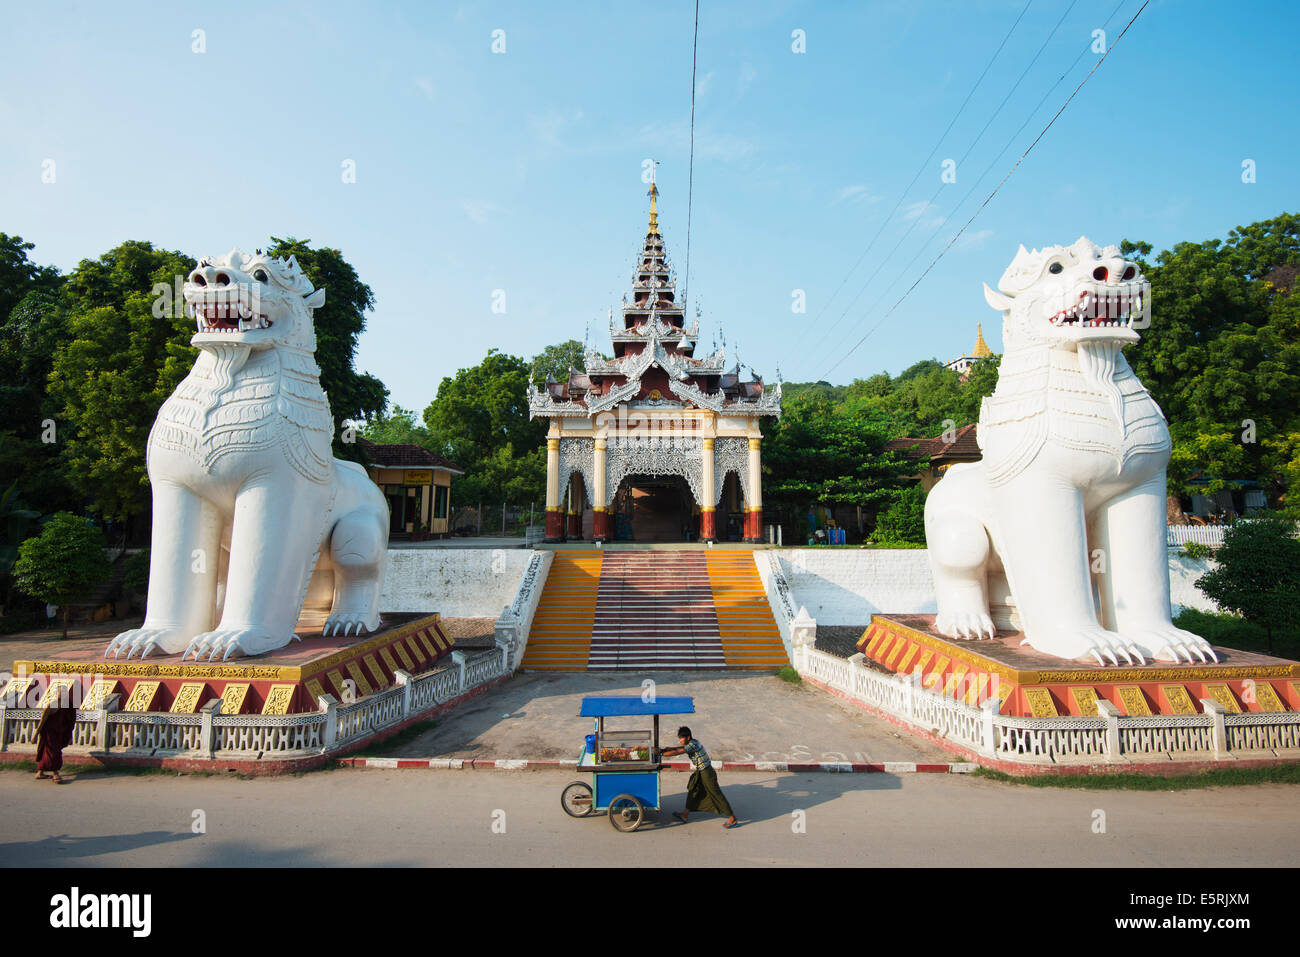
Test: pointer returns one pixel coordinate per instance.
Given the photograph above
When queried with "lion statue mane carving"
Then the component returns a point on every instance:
(1061, 527)
(249, 506)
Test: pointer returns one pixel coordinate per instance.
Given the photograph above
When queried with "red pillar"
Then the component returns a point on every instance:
(575, 526)
(708, 525)
(754, 524)
(554, 524)
(600, 525)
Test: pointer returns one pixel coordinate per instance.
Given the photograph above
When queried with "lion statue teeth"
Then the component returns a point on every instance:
(1061, 527)
(250, 508)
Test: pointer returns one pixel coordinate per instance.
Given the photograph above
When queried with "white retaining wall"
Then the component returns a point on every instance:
(846, 586)
(457, 582)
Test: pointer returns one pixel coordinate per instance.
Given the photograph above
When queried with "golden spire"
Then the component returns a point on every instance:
(982, 350)
(654, 210)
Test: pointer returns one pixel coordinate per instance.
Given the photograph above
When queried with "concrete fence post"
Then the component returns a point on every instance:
(506, 631)
(505, 656)
(403, 681)
(4, 728)
(856, 661)
(989, 735)
(911, 685)
(1108, 711)
(111, 703)
(330, 705)
(1220, 732)
(207, 731)
(458, 659)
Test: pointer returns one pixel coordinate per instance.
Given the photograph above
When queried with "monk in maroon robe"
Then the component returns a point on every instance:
(53, 734)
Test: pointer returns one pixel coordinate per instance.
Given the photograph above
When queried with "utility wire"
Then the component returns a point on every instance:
(921, 169)
(690, 189)
(960, 164)
(990, 196)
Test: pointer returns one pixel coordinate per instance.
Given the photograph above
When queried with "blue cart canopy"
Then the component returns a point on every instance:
(614, 707)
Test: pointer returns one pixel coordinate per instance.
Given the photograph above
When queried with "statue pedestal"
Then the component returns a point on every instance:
(286, 681)
(1032, 684)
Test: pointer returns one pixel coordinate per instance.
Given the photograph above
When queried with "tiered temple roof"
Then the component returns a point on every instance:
(654, 362)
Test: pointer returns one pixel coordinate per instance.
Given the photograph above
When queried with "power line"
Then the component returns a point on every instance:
(690, 189)
(921, 169)
(960, 163)
(990, 196)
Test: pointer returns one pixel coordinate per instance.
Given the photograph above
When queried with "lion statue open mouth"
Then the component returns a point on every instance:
(1063, 521)
(250, 508)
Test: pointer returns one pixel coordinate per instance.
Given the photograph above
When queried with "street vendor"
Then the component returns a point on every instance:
(702, 790)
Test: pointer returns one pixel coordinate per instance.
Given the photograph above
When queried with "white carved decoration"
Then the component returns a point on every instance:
(654, 455)
(239, 456)
(1071, 490)
(578, 455)
(730, 454)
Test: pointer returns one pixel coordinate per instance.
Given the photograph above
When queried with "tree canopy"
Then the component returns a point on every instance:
(1222, 355)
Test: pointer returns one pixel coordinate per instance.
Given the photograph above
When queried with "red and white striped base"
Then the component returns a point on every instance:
(525, 764)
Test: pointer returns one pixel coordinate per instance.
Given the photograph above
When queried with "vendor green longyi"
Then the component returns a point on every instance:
(702, 790)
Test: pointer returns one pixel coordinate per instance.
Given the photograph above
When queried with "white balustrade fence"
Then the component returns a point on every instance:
(1109, 737)
(1201, 534)
(254, 736)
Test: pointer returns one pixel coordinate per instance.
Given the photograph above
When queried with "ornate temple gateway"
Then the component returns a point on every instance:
(655, 441)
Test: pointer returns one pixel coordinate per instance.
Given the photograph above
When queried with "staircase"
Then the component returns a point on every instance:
(653, 610)
(560, 638)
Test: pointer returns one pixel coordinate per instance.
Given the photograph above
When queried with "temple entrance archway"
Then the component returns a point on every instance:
(656, 508)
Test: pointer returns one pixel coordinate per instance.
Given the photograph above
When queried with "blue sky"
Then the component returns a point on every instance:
(521, 171)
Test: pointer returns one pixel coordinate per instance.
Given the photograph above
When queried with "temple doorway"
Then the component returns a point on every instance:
(654, 509)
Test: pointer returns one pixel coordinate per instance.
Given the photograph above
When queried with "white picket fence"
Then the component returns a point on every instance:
(1201, 534)
(210, 734)
(1110, 737)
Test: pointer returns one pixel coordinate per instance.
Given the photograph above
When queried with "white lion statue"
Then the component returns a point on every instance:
(1064, 518)
(249, 506)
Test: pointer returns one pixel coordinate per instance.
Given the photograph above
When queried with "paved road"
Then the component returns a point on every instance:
(739, 716)
(396, 818)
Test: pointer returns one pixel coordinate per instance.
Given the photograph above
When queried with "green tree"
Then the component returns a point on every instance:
(32, 324)
(556, 361)
(397, 428)
(480, 420)
(827, 453)
(1222, 354)
(1258, 573)
(339, 322)
(124, 353)
(903, 522)
(62, 563)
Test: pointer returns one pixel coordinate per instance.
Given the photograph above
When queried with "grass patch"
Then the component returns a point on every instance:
(1127, 781)
(403, 737)
(82, 770)
(789, 674)
(1229, 631)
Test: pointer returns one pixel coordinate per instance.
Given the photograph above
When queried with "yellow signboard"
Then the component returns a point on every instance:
(1135, 702)
(142, 695)
(99, 692)
(232, 698)
(278, 699)
(417, 477)
(188, 698)
(1041, 704)
(1085, 701)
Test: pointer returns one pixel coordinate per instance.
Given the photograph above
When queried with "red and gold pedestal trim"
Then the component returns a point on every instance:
(960, 670)
(348, 673)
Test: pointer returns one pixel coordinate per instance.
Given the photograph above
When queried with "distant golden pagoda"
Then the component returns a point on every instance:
(962, 365)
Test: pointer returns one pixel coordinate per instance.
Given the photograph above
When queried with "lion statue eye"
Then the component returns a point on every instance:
(1055, 268)
(261, 276)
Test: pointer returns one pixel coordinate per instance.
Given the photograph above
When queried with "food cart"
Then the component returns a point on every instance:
(624, 763)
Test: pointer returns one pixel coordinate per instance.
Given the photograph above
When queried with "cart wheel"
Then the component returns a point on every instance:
(626, 813)
(576, 799)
